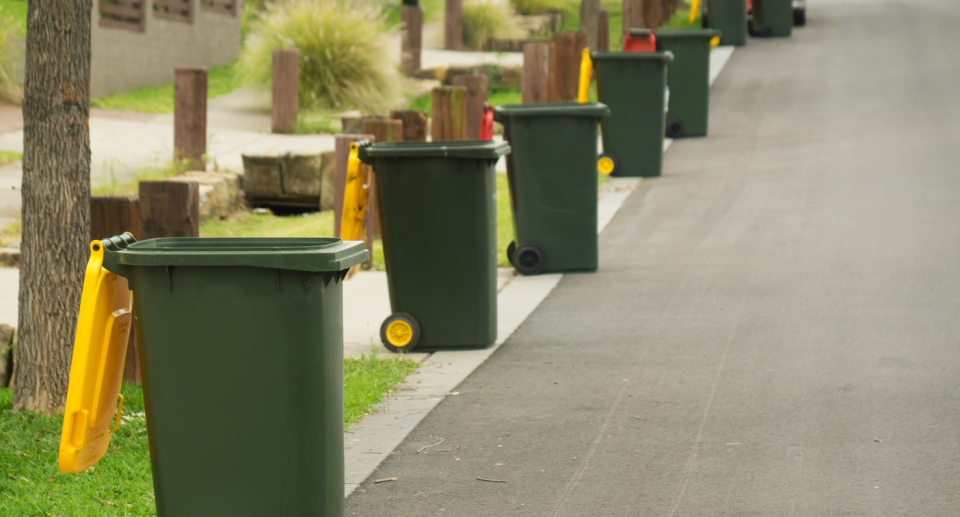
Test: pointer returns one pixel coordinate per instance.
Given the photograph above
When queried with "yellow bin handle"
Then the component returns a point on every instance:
(586, 70)
(354, 198)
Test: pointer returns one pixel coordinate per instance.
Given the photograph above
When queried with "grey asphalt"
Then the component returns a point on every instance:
(775, 327)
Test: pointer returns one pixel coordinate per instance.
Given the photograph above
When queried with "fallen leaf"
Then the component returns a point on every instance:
(878, 440)
(384, 480)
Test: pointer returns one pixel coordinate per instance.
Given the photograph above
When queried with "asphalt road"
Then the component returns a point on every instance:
(775, 328)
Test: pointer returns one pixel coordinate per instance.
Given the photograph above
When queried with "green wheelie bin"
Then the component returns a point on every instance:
(552, 173)
(241, 345)
(772, 18)
(689, 80)
(438, 219)
(730, 18)
(633, 85)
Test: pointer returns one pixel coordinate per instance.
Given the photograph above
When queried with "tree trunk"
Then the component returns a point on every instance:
(632, 17)
(55, 199)
(590, 21)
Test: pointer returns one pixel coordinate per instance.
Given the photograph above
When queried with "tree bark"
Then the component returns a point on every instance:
(590, 21)
(632, 17)
(55, 199)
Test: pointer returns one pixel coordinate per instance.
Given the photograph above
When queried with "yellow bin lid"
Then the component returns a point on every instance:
(99, 350)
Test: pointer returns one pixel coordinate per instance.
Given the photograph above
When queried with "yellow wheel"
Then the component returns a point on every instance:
(606, 164)
(400, 332)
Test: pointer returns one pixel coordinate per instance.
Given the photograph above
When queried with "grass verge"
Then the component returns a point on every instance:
(9, 157)
(159, 99)
(320, 224)
(121, 483)
(111, 186)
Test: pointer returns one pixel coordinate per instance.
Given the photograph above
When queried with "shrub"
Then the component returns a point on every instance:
(11, 61)
(484, 20)
(538, 6)
(343, 53)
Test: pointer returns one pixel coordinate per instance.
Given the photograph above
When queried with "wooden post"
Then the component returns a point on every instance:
(651, 13)
(411, 38)
(603, 34)
(476, 89)
(536, 72)
(453, 25)
(565, 65)
(190, 117)
(169, 209)
(109, 216)
(383, 130)
(449, 113)
(286, 90)
(113, 215)
(341, 154)
(414, 124)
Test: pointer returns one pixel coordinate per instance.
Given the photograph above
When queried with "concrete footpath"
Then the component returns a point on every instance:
(773, 329)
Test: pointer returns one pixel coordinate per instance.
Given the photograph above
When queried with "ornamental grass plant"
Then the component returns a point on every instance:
(484, 20)
(344, 60)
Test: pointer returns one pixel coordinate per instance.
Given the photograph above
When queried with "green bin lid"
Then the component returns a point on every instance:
(626, 56)
(479, 150)
(320, 254)
(687, 33)
(558, 109)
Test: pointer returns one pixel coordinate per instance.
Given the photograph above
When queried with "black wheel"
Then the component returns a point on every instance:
(607, 164)
(674, 128)
(766, 31)
(511, 250)
(528, 260)
(400, 333)
(799, 17)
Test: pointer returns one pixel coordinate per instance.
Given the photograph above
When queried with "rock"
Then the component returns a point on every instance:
(220, 193)
(289, 180)
(7, 334)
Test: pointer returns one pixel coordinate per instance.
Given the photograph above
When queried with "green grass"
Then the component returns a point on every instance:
(159, 99)
(250, 224)
(681, 20)
(10, 234)
(367, 379)
(121, 483)
(16, 9)
(432, 10)
(9, 157)
(111, 186)
(505, 232)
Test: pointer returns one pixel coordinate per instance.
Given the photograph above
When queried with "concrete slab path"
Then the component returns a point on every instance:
(773, 330)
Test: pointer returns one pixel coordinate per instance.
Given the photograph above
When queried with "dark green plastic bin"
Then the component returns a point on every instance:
(773, 18)
(552, 173)
(438, 219)
(633, 85)
(730, 18)
(689, 80)
(241, 345)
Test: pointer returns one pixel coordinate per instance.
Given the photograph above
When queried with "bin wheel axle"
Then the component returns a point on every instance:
(528, 260)
(675, 128)
(400, 332)
(606, 164)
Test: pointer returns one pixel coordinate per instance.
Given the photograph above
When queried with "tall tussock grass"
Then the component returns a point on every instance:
(343, 53)
(484, 20)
